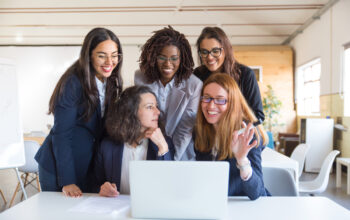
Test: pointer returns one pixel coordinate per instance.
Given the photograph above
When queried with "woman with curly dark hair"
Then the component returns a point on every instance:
(132, 126)
(216, 55)
(78, 104)
(166, 66)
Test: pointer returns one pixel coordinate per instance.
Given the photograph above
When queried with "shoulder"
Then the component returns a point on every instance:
(246, 72)
(201, 72)
(192, 85)
(140, 78)
(107, 144)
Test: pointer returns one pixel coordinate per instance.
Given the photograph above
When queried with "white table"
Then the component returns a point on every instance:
(345, 162)
(272, 158)
(53, 205)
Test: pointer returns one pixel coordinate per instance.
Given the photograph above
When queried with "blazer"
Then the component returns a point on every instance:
(248, 85)
(68, 150)
(254, 187)
(109, 157)
(182, 111)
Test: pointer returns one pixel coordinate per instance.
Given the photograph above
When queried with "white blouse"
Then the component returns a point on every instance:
(129, 154)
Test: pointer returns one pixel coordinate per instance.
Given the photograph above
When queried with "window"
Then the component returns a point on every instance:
(308, 88)
(346, 80)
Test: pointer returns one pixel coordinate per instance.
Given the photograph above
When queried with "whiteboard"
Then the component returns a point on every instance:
(11, 134)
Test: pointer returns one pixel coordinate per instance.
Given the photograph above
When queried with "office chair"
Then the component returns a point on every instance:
(299, 154)
(279, 182)
(29, 168)
(319, 184)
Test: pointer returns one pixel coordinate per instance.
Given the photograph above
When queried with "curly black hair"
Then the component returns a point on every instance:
(122, 122)
(151, 49)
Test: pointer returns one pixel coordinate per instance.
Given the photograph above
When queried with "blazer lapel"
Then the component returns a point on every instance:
(175, 98)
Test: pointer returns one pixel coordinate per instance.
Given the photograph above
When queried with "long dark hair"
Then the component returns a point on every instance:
(230, 65)
(122, 122)
(151, 49)
(85, 72)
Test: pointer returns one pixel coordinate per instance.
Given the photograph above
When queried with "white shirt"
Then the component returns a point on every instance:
(101, 87)
(129, 154)
(163, 94)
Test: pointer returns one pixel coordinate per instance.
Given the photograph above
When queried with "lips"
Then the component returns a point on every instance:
(106, 68)
(168, 71)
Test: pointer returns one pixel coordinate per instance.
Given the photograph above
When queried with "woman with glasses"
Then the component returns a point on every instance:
(222, 112)
(166, 66)
(133, 134)
(78, 104)
(216, 55)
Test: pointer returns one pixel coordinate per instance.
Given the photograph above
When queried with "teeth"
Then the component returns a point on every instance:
(107, 68)
(210, 63)
(212, 113)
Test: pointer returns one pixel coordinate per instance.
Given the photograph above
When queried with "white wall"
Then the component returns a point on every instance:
(325, 39)
(39, 69)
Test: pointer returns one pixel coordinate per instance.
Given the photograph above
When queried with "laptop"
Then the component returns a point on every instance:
(179, 189)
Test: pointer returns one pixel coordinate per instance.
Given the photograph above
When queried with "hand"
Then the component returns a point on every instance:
(157, 137)
(109, 190)
(240, 143)
(72, 190)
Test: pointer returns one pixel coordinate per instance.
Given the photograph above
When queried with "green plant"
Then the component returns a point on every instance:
(272, 106)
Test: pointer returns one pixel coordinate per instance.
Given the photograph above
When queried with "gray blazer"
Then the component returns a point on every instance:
(181, 115)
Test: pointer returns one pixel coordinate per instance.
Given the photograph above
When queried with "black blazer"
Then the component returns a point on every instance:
(68, 150)
(108, 160)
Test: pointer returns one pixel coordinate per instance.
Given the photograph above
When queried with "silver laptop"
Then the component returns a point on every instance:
(179, 189)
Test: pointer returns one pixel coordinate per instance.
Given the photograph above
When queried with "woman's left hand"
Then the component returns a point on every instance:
(157, 137)
(240, 143)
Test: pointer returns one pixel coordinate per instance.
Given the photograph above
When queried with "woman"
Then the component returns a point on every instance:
(78, 104)
(222, 112)
(132, 126)
(166, 65)
(216, 55)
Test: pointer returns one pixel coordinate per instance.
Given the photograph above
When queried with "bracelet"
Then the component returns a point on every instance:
(244, 166)
(160, 155)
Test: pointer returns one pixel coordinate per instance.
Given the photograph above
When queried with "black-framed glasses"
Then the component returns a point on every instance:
(163, 59)
(217, 101)
(215, 52)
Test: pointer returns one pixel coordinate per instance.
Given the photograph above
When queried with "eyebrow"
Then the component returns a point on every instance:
(101, 52)
(219, 96)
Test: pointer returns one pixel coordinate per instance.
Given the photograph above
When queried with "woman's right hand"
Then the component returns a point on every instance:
(109, 190)
(72, 190)
(157, 137)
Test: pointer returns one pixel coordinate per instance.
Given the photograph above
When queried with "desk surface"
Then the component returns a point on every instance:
(53, 205)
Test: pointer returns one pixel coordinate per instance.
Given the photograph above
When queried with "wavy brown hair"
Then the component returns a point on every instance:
(152, 48)
(85, 72)
(237, 111)
(122, 122)
(230, 65)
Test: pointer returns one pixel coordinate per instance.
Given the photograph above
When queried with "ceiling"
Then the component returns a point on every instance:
(66, 22)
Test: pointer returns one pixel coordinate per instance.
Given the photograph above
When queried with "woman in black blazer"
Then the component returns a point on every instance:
(132, 126)
(78, 104)
(216, 56)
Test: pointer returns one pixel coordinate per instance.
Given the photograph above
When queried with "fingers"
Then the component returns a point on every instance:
(109, 190)
(72, 190)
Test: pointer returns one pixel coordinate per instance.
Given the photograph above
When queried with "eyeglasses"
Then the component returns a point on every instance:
(215, 52)
(163, 59)
(104, 58)
(217, 101)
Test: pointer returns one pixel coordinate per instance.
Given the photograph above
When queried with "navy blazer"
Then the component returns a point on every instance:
(68, 150)
(254, 187)
(109, 157)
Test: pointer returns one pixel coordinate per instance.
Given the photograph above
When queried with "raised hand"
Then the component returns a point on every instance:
(157, 137)
(109, 190)
(240, 143)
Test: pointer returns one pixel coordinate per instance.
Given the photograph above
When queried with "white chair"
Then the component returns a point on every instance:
(30, 168)
(319, 184)
(279, 181)
(299, 154)
(3, 197)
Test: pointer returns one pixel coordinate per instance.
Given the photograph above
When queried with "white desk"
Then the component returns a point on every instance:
(345, 162)
(53, 205)
(271, 158)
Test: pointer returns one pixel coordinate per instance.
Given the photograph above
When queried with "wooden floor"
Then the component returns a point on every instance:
(8, 183)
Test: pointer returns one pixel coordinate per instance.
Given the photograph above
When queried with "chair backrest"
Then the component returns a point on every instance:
(30, 149)
(323, 176)
(279, 182)
(299, 154)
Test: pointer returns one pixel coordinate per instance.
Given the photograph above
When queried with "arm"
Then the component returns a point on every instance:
(65, 118)
(251, 92)
(183, 133)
